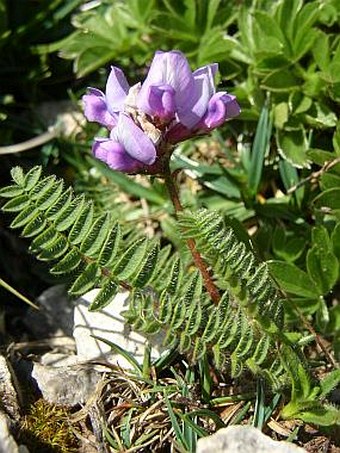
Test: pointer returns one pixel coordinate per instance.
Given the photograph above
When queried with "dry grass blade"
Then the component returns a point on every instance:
(131, 412)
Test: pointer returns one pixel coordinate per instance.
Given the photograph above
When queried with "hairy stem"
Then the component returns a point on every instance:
(198, 260)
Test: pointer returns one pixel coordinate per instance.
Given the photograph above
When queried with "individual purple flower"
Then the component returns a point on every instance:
(95, 108)
(115, 156)
(104, 108)
(172, 105)
(220, 106)
(161, 102)
(203, 90)
(128, 149)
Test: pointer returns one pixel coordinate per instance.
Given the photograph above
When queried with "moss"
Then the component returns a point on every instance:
(46, 429)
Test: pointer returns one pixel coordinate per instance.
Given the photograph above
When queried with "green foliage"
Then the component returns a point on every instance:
(259, 150)
(104, 32)
(326, 202)
(245, 329)
(296, 61)
(236, 268)
(23, 26)
(96, 252)
(292, 53)
(66, 230)
(231, 184)
(133, 29)
(320, 273)
(307, 402)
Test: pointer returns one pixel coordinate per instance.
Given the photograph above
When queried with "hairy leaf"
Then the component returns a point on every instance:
(85, 281)
(105, 295)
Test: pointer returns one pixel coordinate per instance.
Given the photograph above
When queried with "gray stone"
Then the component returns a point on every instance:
(62, 116)
(244, 439)
(7, 442)
(64, 380)
(55, 316)
(110, 325)
(68, 379)
(8, 395)
(57, 359)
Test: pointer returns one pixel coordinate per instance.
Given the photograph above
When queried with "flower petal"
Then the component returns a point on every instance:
(169, 68)
(160, 102)
(115, 156)
(221, 107)
(95, 108)
(204, 90)
(233, 107)
(116, 91)
(210, 69)
(135, 142)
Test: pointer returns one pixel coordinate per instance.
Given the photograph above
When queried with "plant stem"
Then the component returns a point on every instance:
(198, 260)
(29, 144)
(315, 175)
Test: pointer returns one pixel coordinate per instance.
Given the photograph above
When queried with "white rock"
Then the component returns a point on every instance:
(57, 359)
(7, 443)
(67, 385)
(110, 325)
(55, 315)
(8, 394)
(63, 116)
(244, 439)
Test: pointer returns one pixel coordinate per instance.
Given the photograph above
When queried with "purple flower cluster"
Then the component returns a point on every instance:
(146, 120)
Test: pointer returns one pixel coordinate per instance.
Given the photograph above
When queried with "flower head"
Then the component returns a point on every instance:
(146, 120)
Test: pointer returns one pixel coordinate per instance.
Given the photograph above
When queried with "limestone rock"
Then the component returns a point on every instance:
(56, 359)
(63, 380)
(63, 116)
(7, 443)
(110, 325)
(244, 439)
(8, 395)
(55, 316)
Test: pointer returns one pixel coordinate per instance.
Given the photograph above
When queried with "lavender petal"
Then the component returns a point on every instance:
(116, 90)
(172, 69)
(204, 90)
(95, 108)
(221, 107)
(115, 156)
(160, 102)
(135, 142)
(233, 107)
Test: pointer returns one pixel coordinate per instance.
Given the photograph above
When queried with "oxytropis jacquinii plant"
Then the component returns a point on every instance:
(147, 120)
(225, 310)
